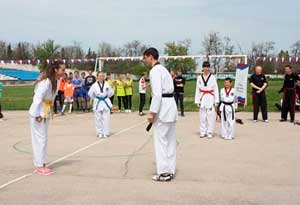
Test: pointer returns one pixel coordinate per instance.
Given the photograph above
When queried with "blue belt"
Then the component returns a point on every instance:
(102, 99)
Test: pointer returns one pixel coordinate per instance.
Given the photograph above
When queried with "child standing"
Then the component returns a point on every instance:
(227, 108)
(69, 92)
(40, 112)
(120, 87)
(128, 91)
(142, 91)
(206, 98)
(100, 92)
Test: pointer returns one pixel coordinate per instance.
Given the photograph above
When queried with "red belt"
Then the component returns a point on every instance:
(211, 92)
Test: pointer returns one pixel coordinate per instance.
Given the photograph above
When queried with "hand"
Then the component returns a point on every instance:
(258, 91)
(151, 117)
(38, 119)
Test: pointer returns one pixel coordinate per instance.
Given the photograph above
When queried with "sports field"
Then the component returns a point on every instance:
(20, 97)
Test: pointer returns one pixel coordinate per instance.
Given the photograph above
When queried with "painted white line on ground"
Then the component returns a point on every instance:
(71, 154)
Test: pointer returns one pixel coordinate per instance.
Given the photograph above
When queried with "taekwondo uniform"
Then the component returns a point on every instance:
(102, 106)
(164, 126)
(227, 107)
(42, 106)
(207, 97)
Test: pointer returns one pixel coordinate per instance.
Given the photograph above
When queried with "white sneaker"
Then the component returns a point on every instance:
(210, 136)
(254, 121)
(129, 110)
(100, 136)
(266, 121)
(202, 135)
(105, 136)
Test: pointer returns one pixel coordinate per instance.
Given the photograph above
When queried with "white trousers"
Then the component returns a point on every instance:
(207, 120)
(164, 135)
(102, 122)
(39, 139)
(228, 126)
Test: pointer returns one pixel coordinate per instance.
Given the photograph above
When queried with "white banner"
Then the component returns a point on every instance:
(241, 83)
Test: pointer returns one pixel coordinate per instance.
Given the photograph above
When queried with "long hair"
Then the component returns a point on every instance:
(50, 73)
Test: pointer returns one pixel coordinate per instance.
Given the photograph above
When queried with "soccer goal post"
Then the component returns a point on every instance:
(240, 63)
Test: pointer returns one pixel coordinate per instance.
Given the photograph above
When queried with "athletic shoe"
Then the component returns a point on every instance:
(44, 171)
(49, 170)
(104, 136)
(254, 121)
(210, 136)
(129, 111)
(266, 121)
(202, 135)
(100, 136)
(162, 177)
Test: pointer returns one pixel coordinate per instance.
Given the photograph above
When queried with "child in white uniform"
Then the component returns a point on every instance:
(227, 108)
(206, 98)
(40, 112)
(101, 92)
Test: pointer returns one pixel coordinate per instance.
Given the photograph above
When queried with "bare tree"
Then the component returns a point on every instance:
(106, 49)
(296, 48)
(214, 44)
(263, 49)
(134, 48)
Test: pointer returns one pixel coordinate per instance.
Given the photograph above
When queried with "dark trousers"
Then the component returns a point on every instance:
(288, 104)
(112, 99)
(128, 99)
(120, 100)
(1, 115)
(259, 100)
(59, 101)
(142, 101)
(179, 97)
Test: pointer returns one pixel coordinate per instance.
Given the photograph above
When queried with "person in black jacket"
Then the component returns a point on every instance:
(258, 82)
(88, 82)
(179, 83)
(289, 90)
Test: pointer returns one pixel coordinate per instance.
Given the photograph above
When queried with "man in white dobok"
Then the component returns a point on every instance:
(163, 115)
(207, 98)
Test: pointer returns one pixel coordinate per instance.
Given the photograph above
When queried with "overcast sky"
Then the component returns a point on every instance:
(153, 22)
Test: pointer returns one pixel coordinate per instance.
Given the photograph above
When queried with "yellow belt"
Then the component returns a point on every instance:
(48, 107)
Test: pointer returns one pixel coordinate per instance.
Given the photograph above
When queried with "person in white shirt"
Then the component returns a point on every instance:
(206, 98)
(142, 90)
(228, 105)
(100, 93)
(40, 111)
(163, 115)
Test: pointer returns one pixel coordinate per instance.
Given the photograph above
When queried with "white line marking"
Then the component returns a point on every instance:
(71, 154)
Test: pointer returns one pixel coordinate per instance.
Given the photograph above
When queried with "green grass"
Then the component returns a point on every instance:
(20, 97)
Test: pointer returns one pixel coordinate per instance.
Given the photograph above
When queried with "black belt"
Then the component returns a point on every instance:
(168, 95)
(224, 114)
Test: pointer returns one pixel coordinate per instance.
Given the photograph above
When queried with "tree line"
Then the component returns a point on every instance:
(213, 43)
